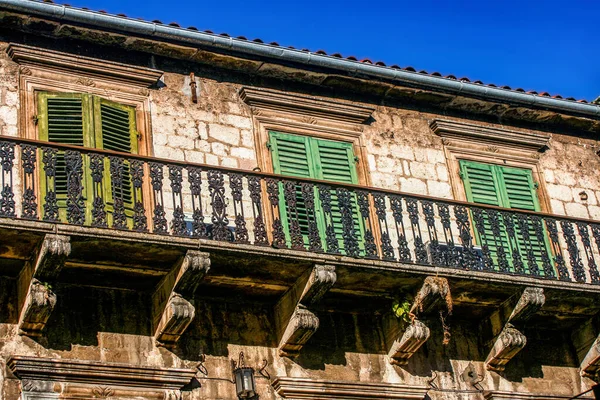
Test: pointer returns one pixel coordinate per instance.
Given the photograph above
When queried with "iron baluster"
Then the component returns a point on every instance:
(496, 228)
(574, 256)
(291, 206)
(117, 166)
(260, 232)
(178, 225)
(541, 238)
(345, 204)
(512, 239)
(140, 221)
(450, 255)
(156, 178)
(434, 245)
(584, 234)
(216, 189)
(403, 250)
(50, 203)
(412, 206)
(236, 186)
(479, 222)
(273, 195)
(7, 201)
(596, 234)
(469, 258)
(98, 206)
(387, 250)
(75, 200)
(559, 260)
(362, 199)
(532, 264)
(195, 180)
(331, 240)
(314, 238)
(28, 160)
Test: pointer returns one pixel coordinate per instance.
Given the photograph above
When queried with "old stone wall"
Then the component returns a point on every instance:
(402, 154)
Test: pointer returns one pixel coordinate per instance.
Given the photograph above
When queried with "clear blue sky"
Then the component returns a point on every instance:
(551, 45)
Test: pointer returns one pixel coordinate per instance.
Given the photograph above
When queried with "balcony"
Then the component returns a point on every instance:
(130, 220)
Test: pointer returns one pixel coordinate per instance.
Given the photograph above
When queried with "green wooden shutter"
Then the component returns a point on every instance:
(115, 130)
(291, 156)
(482, 187)
(505, 187)
(335, 161)
(64, 118)
(520, 193)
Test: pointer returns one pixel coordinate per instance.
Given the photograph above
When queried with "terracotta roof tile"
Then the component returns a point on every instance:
(349, 58)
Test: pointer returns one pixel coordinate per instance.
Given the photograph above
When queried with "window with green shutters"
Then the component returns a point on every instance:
(86, 120)
(310, 157)
(508, 187)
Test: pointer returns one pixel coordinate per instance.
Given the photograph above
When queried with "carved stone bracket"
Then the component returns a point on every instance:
(510, 340)
(406, 343)
(36, 299)
(590, 366)
(295, 322)
(413, 338)
(172, 300)
(433, 291)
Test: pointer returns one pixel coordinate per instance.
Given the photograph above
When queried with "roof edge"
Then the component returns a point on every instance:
(165, 32)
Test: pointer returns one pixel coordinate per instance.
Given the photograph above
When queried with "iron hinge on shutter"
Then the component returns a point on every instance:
(35, 119)
(138, 135)
(269, 145)
(536, 185)
(461, 175)
(356, 159)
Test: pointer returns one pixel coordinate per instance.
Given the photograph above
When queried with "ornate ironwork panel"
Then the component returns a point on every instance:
(198, 225)
(49, 166)
(351, 246)
(289, 194)
(412, 206)
(178, 225)
(314, 238)
(469, 259)
(28, 162)
(260, 231)
(403, 249)
(7, 201)
(331, 240)
(273, 196)
(159, 219)
(387, 250)
(140, 221)
(584, 235)
(559, 261)
(236, 185)
(573, 249)
(98, 207)
(75, 200)
(220, 222)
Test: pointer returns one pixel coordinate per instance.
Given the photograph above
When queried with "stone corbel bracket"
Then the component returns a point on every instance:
(428, 299)
(590, 366)
(172, 300)
(36, 298)
(295, 321)
(511, 340)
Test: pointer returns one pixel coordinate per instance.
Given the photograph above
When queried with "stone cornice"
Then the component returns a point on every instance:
(37, 57)
(503, 395)
(91, 372)
(488, 135)
(303, 388)
(305, 105)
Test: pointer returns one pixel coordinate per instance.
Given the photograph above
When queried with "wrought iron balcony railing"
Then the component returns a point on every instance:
(43, 181)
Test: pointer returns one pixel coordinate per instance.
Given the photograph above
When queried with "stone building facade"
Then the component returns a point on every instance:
(90, 311)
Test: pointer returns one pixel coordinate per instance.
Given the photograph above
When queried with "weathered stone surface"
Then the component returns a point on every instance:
(300, 328)
(508, 344)
(175, 319)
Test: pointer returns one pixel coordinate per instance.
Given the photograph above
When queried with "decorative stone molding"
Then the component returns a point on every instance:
(413, 338)
(308, 106)
(99, 373)
(510, 340)
(303, 388)
(172, 300)
(503, 395)
(590, 366)
(33, 56)
(490, 136)
(294, 320)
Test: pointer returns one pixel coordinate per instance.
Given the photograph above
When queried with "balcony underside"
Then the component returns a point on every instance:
(123, 260)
